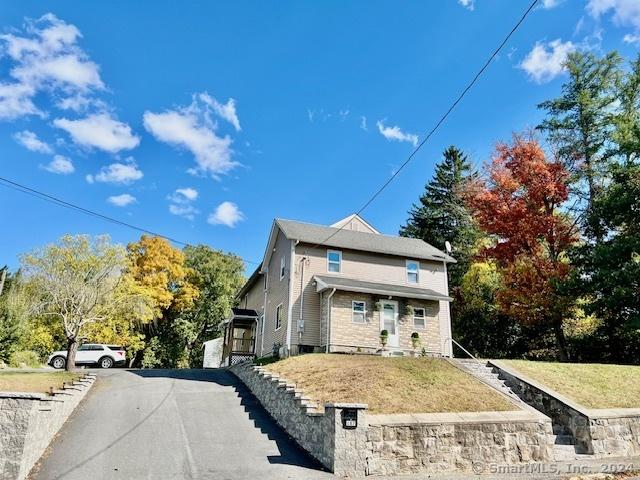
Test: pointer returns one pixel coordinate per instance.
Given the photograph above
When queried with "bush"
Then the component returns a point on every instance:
(25, 359)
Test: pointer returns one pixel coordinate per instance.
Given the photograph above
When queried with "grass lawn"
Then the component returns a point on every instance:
(33, 381)
(592, 385)
(389, 385)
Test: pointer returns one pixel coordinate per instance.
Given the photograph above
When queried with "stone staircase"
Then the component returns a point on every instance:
(563, 442)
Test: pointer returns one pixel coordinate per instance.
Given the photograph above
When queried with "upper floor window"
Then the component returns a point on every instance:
(265, 280)
(413, 271)
(334, 261)
(282, 266)
(418, 317)
(358, 311)
(278, 316)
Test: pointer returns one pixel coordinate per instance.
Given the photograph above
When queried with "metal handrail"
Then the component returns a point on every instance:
(463, 349)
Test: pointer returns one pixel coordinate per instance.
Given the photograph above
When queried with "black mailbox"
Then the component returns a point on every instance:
(349, 418)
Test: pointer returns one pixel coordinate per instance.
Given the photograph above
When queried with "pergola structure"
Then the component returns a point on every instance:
(239, 336)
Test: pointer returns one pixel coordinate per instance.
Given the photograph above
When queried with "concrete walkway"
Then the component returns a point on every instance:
(172, 424)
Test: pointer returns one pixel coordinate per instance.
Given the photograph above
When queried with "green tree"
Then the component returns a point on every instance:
(578, 123)
(74, 281)
(442, 215)
(13, 314)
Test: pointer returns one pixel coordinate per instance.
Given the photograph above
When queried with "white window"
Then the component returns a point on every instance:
(278, 316)
(334, 261)
(265, 280)
(282, 265)
(418, 317)
(413, 271)
(359, 312)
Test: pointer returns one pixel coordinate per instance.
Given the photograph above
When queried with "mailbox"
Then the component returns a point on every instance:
(349, 418)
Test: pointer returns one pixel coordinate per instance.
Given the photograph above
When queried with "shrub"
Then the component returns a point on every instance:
(24, 359)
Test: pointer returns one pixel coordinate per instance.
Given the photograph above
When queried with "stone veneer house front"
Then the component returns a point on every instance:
(334, 288)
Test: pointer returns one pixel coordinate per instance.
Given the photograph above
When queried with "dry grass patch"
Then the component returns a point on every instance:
(39, 382)
(592, 385)
(389, 385)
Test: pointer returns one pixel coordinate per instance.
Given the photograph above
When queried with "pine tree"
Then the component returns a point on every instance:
(441, 215)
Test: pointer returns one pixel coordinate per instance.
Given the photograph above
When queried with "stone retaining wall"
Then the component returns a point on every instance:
(600, 432)
(395, 444)
(320, 433)
(29, 421)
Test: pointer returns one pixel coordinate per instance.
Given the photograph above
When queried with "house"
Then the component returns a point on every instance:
(334, 288)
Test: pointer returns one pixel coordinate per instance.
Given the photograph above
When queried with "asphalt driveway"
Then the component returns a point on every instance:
(172, 424)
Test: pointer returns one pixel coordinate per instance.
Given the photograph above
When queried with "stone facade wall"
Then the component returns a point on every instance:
(28, 422)
(319, 433)
(349, 336)
(615, 434)
(426, 444)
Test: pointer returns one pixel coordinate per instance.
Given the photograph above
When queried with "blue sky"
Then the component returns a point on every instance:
(205, 120)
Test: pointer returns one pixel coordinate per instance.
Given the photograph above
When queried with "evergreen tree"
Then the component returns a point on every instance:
(579, 124)
(442, 215)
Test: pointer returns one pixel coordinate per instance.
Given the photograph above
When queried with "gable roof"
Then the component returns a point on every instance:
(354, 240)
(356, 219)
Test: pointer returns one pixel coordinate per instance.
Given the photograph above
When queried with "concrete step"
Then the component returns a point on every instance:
(563, 440)
(564, 452)
(560, 429)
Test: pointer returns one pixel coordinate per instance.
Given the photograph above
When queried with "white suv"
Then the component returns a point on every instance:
(104, 356)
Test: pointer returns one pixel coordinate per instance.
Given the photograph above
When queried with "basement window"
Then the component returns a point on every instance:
(358, 312)
(419, 317)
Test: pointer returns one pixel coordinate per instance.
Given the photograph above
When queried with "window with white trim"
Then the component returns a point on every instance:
(282, 267)
(334, 261)
(358, 311)
(419, 317)
(278, 316)
(413, 271)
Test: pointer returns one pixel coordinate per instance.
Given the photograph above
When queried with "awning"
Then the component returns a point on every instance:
(240, 315)
(324, 282)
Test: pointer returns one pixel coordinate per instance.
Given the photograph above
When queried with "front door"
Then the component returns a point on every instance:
(389, 321)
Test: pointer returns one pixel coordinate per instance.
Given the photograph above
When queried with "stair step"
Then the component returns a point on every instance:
(563, 440)
(560, 429)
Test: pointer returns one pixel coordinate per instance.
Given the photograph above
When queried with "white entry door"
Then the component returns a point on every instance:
(389, 321)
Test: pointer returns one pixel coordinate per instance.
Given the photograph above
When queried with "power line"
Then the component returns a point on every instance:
(63, 203)
(440, 121)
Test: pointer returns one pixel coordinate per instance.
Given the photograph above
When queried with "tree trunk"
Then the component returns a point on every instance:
(72, 348)
(560, 340)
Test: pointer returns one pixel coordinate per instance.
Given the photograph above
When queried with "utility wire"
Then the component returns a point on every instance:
(50, 198)
(62, 203)
(440, 121)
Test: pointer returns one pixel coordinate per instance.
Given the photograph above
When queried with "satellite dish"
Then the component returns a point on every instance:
(447, 245)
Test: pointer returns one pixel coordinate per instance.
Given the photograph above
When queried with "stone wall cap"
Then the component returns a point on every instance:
(454, 418)
(359, 406)
(25, 395)
(596, 413)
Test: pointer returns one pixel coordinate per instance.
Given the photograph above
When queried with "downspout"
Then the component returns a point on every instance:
(290, 308)
(446, 292)
(329, 318)
(264, 310)
(301, 316)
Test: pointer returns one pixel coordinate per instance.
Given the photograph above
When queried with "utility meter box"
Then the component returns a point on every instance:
(349, 418)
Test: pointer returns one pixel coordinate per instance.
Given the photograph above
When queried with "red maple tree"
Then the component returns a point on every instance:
(518, 205)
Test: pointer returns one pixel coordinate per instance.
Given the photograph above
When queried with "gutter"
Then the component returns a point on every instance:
(329, 318)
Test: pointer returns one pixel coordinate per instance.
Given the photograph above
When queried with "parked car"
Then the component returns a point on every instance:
(103, 356)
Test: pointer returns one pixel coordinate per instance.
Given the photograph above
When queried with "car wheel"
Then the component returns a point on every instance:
(105, 362)
(58, 362)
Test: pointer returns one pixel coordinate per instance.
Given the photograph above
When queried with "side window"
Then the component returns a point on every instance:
(413, 271)
(334, 261)
(264, 276)
(358, 312)
(419, 317)
(278, 316)
(84, 348)
(282, 267)
(96, 347)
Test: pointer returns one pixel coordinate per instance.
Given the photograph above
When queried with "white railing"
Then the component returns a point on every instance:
(449, 339)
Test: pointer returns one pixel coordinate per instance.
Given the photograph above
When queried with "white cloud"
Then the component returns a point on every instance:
(625, 12)
(468, 4)
(363, 123)
(225, 111)
(227, 213)
(117, 173)
(60, 165)
(546, 60)
(192, 128)
(181, 202)
(44, 57)
(30, 141)
(101, 131)
(632, 38)
(550, 3)
(121, 200)
(395, 133)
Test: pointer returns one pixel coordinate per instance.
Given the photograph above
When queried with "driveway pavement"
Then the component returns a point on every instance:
(172, 424)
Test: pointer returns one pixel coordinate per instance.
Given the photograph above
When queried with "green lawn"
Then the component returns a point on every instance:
(12, 381)
(389, 385)
(592, 385)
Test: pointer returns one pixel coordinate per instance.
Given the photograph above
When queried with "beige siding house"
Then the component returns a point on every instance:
(334, 288)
